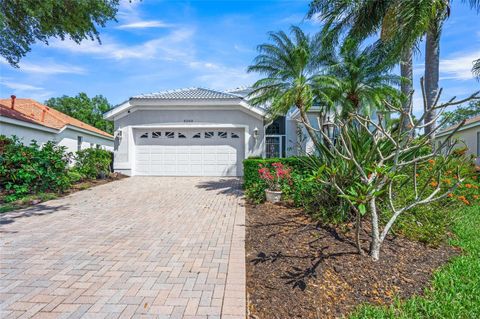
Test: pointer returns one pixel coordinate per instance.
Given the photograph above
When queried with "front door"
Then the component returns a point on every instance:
(273, 146)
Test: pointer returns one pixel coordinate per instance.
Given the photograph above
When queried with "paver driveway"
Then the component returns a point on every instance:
(151, 247)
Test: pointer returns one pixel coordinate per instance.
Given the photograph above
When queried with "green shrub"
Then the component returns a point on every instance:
(32, 169)
(93, 163)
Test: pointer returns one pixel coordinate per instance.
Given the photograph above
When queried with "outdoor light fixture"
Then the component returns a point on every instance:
(329, 128)
(255, 132)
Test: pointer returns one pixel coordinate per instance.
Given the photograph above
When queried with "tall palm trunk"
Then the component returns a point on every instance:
(406, 71)
(432, 65)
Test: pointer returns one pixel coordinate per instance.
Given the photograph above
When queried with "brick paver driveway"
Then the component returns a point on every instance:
(152, 247)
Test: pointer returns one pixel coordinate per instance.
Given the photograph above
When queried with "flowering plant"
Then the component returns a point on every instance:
(275, 176)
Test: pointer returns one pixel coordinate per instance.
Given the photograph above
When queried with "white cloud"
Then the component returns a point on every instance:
(458, 68)
(144, 24)
(222, 77)
(169, 47)
(19, 86)
(47, 67)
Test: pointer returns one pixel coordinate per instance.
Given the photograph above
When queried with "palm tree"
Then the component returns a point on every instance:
(363, 82)
(402, 24)
(291, 66)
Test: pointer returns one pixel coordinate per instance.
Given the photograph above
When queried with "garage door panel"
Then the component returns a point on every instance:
(188, 156)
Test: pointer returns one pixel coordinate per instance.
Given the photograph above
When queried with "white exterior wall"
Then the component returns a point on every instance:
(26, 134)
(466, 138)
(125, 147)
(67, 137)
(298, 140)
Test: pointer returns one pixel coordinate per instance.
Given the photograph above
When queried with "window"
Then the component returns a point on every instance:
(156, 134)
(79, 143)
(209, 134)
(198, 135)
(144, 135)
(181, 135)
(91, 145)
(222, 134)
(169, 134)
(97, 146)
(235, 135)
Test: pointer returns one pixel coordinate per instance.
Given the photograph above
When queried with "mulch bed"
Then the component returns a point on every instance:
(297, 268)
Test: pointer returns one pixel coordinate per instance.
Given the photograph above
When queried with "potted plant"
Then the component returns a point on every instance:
(275, 177)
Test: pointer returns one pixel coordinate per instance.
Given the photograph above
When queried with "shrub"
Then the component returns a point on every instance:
(32, 169)
(93, 163)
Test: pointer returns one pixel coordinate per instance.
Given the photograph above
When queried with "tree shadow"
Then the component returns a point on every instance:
(36, 210)
(225, 186)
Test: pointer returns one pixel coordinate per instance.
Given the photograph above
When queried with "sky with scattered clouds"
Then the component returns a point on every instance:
(159, 45)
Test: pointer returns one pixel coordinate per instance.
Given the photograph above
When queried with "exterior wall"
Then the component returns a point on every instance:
(467, 138)
(125, 146)
(26, 134)
(298, 140)
(67, 137)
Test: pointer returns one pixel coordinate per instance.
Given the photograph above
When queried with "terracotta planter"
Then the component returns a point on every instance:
(273, 196)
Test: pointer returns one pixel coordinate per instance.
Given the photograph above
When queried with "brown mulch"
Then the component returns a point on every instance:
(297, 268)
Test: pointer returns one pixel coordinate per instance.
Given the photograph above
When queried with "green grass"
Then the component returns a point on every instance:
(455, 291)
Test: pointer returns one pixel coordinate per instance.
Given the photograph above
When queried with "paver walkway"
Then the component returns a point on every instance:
(142, 247)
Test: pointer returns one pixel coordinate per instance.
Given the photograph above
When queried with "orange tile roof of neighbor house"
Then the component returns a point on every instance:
(31, 111)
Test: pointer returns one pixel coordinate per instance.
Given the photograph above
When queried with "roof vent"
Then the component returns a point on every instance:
(13, 101)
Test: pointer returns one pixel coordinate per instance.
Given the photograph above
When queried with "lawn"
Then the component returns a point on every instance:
(455, 290)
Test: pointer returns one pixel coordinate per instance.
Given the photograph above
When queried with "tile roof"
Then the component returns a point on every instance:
(188, 94)
(468, 121)
(31, 111)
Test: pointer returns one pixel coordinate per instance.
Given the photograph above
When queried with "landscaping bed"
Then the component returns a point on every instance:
(297, 268)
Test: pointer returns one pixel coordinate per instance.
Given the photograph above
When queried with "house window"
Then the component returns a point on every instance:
(79, 143)
(273, 129)
(222, 134)
(156, 134)
(198, 135)
(169, 134)
(91, 145)
(235, 135)
(97, 146)
(209, 134)
(181, 135)
(144, 135)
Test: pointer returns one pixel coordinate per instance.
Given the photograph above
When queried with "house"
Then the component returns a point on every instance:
(199, 132)
(467, 136)
(29, 120)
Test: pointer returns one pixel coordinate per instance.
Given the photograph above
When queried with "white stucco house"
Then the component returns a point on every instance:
(199, 132)
(29, 120)
(467, 136)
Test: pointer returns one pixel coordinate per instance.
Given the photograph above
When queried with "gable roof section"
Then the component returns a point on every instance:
(31, 111)
(471, 122)
(185, 97)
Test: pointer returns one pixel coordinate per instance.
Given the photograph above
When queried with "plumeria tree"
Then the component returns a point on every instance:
(384, 159)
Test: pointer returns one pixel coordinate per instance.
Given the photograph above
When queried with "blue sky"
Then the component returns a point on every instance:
(158, 45)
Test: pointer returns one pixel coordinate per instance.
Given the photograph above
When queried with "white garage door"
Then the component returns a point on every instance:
(189, 152)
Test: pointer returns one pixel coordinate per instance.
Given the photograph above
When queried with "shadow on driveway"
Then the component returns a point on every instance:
(36, 210)
(230, 186)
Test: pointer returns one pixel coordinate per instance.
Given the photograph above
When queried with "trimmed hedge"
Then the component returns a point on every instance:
(251, 165)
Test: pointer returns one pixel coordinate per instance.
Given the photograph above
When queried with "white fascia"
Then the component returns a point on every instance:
(152, 104)
(28, 124)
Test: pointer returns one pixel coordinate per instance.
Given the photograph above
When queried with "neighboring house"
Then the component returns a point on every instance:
(29, 120)
(467, 136)
(198, 132)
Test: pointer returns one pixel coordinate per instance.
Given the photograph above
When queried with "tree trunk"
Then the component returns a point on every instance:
(311, 132)
(358, 229)
(432, 65)
(376, 242)
(406, 71)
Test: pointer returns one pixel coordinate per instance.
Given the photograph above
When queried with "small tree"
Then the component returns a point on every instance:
(384, 159)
